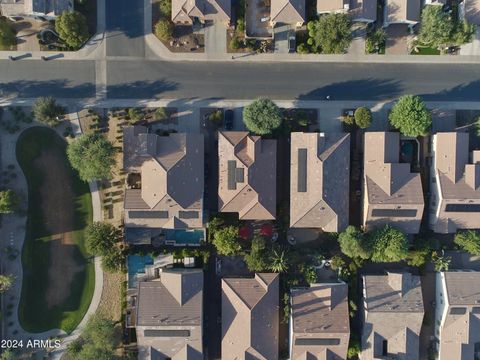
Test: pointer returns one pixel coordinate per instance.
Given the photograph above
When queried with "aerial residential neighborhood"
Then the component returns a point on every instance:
(239, 179)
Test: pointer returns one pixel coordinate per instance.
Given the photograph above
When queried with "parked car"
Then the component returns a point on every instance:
(228, 119)
(291, 43)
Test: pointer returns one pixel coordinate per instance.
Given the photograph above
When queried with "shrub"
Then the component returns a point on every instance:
(135, 114)
(353, 243)
(47, 111)
(7, 35)
(240, 25)
(235, 43)
(388, 245)
(164, 29)
(363, 117)
(226, 241)
(165, 7)
(302, 49)
(468, 241)
(9, 202)
(161, 114)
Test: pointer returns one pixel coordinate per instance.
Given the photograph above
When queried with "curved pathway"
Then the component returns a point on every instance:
(12, 233)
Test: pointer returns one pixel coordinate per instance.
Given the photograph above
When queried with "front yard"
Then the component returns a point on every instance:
(59, 276)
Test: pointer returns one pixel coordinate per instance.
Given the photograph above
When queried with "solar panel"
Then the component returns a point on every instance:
(166, 333)
(458, 311)
(188, 214)
(302, 170)
(148, 214)
(316, 341)
(462, 208)
(239, 175)
(232, 176)
(394, 213)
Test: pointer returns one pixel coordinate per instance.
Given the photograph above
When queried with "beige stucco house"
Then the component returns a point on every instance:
(457, 314)
(46, 8)
(169, 316)
(455, 184)
(319, 322)
(392, 315)
(188, 11)
(319, 180)
(392, 194)
(247, 175)
(250, 317)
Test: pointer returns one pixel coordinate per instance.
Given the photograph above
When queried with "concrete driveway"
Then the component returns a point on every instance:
(27, 30)
(357, 46)
(398, 37)
(281, 33)
(472, 48)
(215, 38)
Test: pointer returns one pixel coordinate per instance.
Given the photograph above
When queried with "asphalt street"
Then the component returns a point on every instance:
(188, 80)
(125, 28)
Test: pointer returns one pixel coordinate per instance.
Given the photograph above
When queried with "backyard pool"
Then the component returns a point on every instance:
(184, 237)
(136, 266)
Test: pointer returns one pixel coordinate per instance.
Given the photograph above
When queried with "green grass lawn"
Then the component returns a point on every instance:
(34, 314)
(426, 51)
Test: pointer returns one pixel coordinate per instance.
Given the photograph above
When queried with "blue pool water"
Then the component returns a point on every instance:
(185, 237)
(136, 265)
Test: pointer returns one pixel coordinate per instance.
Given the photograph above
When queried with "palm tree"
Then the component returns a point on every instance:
(279, 260)
(6, 282)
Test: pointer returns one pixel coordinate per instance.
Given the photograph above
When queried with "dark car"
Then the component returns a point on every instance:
(291, 43)
(228, 121)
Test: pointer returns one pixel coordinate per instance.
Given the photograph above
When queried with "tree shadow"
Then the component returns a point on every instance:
(463, 92)
(62, 88)
(140, 89)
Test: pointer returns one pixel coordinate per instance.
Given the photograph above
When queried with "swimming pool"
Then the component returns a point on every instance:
(185, 237)
(136, 266)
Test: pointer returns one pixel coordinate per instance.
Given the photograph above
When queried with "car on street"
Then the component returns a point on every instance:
(228, 119)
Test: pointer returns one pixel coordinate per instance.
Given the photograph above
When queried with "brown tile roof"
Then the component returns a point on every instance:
(393, 307)
(457, 182)
(460, 331)
(402, 11)
(172, 178)
(390, 189)
(216, 10)
(288, 11)
(173, 303)
(247, 175)
(319, 180)
(320, 322)
(250, 317)
(330, 6)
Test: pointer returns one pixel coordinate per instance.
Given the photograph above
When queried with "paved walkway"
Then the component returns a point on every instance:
(12, 233)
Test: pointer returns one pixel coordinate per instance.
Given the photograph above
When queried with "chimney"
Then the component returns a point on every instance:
(472, 175)
(400, 282)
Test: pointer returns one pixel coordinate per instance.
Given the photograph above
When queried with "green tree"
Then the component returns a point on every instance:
(8, 355)
(161, 114)
(165, 8)
(363, 117)
(353, 243)
(330, 34)
(309, 273)
(92, 156)
(6, 282)
(418, 258)
(9, 202)
(7, 35)
(257, 259)
(388, 244)
(98, 340)
(468, 241)
(226, 241)
(113, 260)
(354, 347)
(375, 41)
(436, 26)
(164, 29)
(47, 111)
(411, 116)
(100, 237)
(440, 261)
(72, 28)
(302, 49)
(262, 116)
(279, 261)
(337, 262)
(135, 114)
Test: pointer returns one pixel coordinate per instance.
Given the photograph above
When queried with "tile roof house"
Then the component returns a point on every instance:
(288, 12)
(247, 175)
(401, 12)
(455, 187)
(169, 316)
(319, 180)
(186, 11)
(457, 325)
(392, 316)
(250, 317)
(358, 10)
(47, 8)
(165, 181)
(319, 322)
(470, 9)
(392, 194)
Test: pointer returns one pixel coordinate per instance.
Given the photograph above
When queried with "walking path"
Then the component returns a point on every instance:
(12, 233)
